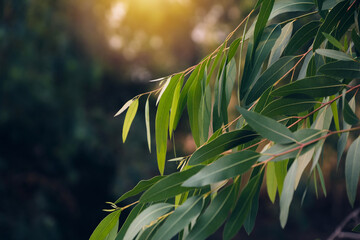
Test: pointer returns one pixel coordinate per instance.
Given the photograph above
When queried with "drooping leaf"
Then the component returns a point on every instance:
(301, 37)
(265, 10)
(333, 41)
(148, 232)
(335, 113)
(123, 108)
(352, 170)
(281, 171)
(232, 49)
(162, 123)
(112, 234)
(147, 216)
(341, 145)
(317, 86)
(242, 208)
(140, 187)
(129, 117)
(174, 105)
(221, 144)
(205, 115)
(105, 226)
(321, 179)
(264, 100)
(303, 160)
(287, 193)
(281, 43)
(214, 216)
(342, 69)
(168, 187)
(330, 22)
(288, 106)
(180, 218)
(225, 167)
(147, 124)
(271, 183)
(268, 128)
(133, 214)
(334, 54)
(349, 115)
(271, 75)
(216, 61)
(166, 84)
(286, 6)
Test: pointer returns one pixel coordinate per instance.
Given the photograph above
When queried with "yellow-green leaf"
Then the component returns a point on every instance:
(130, 115)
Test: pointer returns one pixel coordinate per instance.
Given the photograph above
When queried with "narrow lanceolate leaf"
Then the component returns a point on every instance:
(342, 69)
(225, 167)
(130, 115)
(301, 37)
(349, 116)
(341, 145)
(271, 75)
(105, 226)
(242, 208)
(288, 106)
(321, 176)
(216, 61)
(263, 17)
(140, 187)
(133, 214)
(317, 86)
(330, 22)
(174, 105)
(214, 215)
(162, 123)
(281, 43)
(281, 171)
(221, 144)
(352, 170)
(271, 183)
(286, 6)
(147, 124)
(334, 54)
(163, 90)
(232, 49)
(287, 193)
(112, 234)
(334, 41)
(123, 108)
(169, 187)
(180, 218)
(268, 128)
(335, 114)
(146, 217)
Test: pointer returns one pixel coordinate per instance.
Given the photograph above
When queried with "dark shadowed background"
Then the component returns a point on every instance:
(66, 67)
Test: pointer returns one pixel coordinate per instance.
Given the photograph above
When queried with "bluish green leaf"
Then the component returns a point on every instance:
(105, 226)
(349, 116)
(317, 86)
(180, 218)
(281, 43)
(287, 193)
(214, 216)
(140, 187)
(286, 6)
(268, 128)
(321, 179)
(352, 170)
(130, 115)
(133, 214)
(342, 69)
(265, 10)
(301, 37)
(221, 144)
(288, 106)
(334, 54)
(225, 167)
(271, 75)
(147, 216)
(169, 187)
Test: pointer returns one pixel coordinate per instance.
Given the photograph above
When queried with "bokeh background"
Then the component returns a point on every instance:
(65, 68)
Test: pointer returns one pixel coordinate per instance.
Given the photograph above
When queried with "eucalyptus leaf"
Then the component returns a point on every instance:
(334, 54)
(130, 115)
(352, 170)
(105, 226)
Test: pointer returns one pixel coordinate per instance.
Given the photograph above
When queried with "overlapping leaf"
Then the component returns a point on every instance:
(352, 170)
(105, 226)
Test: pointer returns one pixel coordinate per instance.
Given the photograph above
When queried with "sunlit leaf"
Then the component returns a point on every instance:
(174, 105)
(271, 183)
(129, 117)
(123, 108)
(147, 124)
(105, 226)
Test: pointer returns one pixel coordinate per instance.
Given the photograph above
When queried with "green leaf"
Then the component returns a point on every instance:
(352, 170)
(287, 193)
(265, 10)
(112, 234)
(281, 43)
(271, 182)
(317, 86)
(286, 6)
(221, 144)
(333, 41)
(213, 216)
(205, 115)
(301, 37)
(271, 75)
(148, 233)
(342, 69)
(180, 218)
(330, 22)
(349, 116)
(130, 115)
(341, 145)
(123, 108)
(133, 214)
(281, 171)
(225, 167)
(174, 105)
(146, 217)
(168, 187)
(335, 114)
(162, 123)
(216, 61)
(232, 49)
(356, 229)
(303, 160)
(105, 226)
(242, 208)
(140, 187)
(356, 40)
(321, 179)
(268, 128)
(334, 54)
(147, 124)
(288, 106)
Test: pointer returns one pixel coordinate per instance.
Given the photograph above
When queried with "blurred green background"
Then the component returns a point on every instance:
(65, 68)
